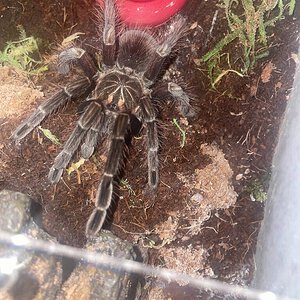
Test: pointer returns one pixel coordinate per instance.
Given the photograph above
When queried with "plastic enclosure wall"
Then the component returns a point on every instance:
(278, 246)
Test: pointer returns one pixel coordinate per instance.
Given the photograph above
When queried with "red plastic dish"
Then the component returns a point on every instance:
(147, 12)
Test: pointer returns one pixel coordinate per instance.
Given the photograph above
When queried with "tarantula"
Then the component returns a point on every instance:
(123, 88)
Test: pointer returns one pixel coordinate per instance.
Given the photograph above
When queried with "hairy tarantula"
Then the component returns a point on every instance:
(124, 88)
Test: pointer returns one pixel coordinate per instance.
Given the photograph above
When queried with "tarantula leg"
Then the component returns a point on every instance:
(177, 28)
(109, 34)
(76, 89)
(81, 57)
(182, 99)
(92, 136)
(149, 118)
(86, 121)
(105, 190)
(173, 90)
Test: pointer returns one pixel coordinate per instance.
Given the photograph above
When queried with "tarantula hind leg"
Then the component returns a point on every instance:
(105, 189)
(74, 90)
(88, 120)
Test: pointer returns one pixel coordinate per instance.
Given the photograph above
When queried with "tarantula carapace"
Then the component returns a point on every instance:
(124, 87)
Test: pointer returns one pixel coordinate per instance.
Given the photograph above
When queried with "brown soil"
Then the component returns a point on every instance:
(203, 206)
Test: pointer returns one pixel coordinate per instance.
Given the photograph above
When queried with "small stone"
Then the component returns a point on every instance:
(197, 198)
(247, 171)
(239, 177)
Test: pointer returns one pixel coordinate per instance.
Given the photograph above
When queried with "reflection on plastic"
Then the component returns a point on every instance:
(8, 265)
(128, 266)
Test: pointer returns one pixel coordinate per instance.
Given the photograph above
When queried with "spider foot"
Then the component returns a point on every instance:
(95, 222)
(28, 125)
(182, 98)
(55, 175)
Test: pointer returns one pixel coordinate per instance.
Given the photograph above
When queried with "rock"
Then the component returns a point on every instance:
(90, 282)
(25, 274)
(15, 207)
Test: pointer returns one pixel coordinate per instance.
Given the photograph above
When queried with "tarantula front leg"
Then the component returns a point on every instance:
(105, 189)
(76, 55)
(73, 90)
(149, 117)
(175, 92)
(91, 117)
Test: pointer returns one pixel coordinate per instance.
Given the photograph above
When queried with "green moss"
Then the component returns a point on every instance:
(257, 189)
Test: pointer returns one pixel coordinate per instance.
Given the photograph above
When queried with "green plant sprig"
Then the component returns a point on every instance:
(182, 132)
(249, 28)
(19, 54)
